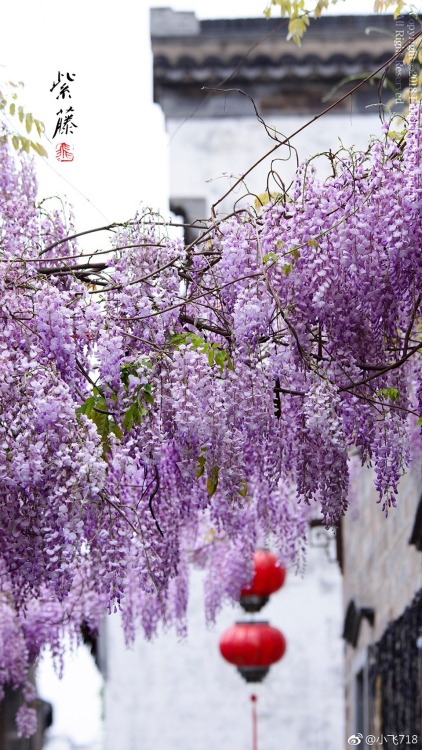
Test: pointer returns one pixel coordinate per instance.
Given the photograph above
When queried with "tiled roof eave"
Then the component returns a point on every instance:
(327, 71)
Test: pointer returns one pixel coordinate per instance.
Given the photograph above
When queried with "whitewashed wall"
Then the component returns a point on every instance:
(204, 152)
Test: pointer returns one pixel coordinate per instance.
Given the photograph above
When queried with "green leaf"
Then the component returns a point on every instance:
(177, 339)
(270, 256)
(115, 429)
(87, 406)
(419, 422)
(297, 28)
(15, 141)
(21, 114)
(129, 418)
(264, 198)
(215, 354)
(197, 342)
(95, 408)
(124, 375)
(139, 394)
(12, 108)
(320, 6)
(28, 122)
(133, 415)
(149, 398)
(220, 359)
(212, 480)
(243, 490)
(389, 393)
(287, 268)
(39, 126)
(39, 149)
(102, 424)
(132, 368)
(201, 466)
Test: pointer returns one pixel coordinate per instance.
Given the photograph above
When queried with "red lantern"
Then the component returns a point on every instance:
(252, 647)
(269, 576)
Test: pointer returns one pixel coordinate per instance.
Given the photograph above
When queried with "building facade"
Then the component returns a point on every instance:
(382, 585)
(209, 75)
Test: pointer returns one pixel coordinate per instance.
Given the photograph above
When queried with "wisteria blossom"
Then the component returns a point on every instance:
(163, 405)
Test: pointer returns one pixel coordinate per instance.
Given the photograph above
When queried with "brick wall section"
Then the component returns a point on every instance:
(381, 569)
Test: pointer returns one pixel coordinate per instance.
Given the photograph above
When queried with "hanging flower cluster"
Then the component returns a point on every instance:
(176, 404)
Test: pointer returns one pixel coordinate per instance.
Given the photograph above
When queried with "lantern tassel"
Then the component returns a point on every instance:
(254, 724)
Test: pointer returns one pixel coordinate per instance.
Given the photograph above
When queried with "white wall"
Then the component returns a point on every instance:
(204, 152)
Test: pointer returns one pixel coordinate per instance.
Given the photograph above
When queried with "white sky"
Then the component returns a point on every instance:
(120, 161)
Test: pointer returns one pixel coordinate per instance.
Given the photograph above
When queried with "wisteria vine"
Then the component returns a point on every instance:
(164, 404)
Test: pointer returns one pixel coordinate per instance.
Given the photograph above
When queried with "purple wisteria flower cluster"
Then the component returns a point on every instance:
(174, 405)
